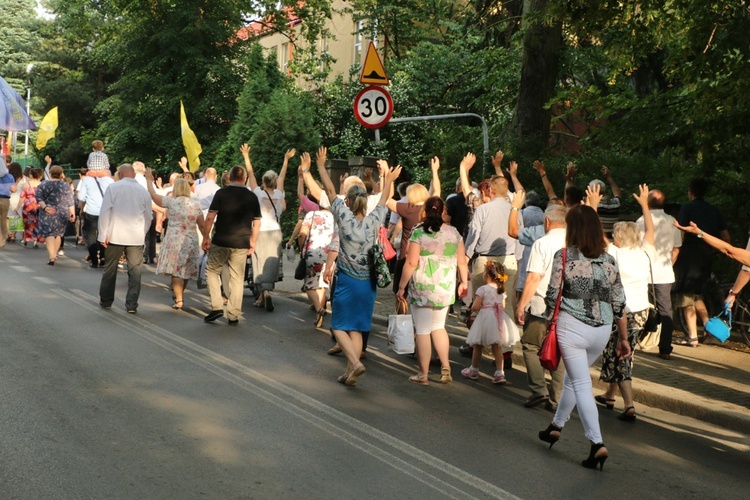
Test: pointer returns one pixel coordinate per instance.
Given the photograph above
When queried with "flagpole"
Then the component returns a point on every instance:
(28, 105)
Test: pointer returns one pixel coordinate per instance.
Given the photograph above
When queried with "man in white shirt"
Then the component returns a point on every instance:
(91, 193)
(124, 219)
(667, 241)
(539, 271)
(205, 190)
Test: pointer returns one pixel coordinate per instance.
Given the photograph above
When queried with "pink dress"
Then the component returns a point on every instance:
(488, 327)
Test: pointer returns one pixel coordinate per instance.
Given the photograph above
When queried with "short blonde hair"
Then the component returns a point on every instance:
(417, 194)
(181, 188)
(627, 234)
(270, 178)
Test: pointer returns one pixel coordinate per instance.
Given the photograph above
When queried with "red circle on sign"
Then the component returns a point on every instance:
(373, 106)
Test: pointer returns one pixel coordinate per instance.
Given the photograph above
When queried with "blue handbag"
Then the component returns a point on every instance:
(718, 327)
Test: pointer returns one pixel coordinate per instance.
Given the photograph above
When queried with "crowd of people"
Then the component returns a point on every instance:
(490, 251)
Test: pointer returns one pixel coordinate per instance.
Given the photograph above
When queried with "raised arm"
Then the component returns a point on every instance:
(391, 174)
(739, 254)
(383, 169)
(284, 166)
(593, 196)
(570, 173)
(183, 163)
(300, 184)
(251, 181)
(648, 222)
(516, 206)
(615, 188)
(157, 198)
(463, 172)
(539, 167)
(306, 176)
(497, 162)
(320, 161)
(513, 171)
(435, 184)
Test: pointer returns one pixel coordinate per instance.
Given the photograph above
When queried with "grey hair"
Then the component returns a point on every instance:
(270, 178)
(555, 214)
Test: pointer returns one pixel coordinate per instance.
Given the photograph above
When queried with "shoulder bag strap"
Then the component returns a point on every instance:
(99, 186)
(562, 283)
(651, 271)
(276, 212)
(307, 238)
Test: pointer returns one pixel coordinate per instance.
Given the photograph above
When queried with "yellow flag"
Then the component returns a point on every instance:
(193, 148)
(47, 128)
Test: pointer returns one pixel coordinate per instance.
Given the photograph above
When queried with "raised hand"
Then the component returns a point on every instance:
(570, 171)
(497, 160)
(245, 150)
(605, 172)
(183, 164)
(539, 167)
(518, 199)
(513, 169)
(435, 164)
(289, 154)
(304, 164)
(149, 175)
(321, 157)
(469, 160)
(392, 174)
(692, 228)
(593, 196)
(642, 199)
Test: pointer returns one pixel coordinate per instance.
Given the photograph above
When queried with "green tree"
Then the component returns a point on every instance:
(19, 40)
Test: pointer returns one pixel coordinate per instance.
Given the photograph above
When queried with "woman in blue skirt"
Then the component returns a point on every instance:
(354, 296)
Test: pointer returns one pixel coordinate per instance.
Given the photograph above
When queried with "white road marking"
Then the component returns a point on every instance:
(45, 280)
(302, 406)
(22, 269)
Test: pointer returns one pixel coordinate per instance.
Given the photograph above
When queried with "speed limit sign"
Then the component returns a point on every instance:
(373, 107)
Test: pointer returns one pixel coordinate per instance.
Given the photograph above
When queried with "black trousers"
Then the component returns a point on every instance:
(664, 307)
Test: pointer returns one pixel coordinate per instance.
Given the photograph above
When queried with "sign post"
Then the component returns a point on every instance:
(373, 106)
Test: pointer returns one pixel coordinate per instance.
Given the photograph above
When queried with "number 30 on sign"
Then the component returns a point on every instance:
(373, 107)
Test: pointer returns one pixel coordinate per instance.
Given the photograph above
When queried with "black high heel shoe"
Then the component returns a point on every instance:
(551, 434)
(609, 403)
(627, 416)
(596, 457)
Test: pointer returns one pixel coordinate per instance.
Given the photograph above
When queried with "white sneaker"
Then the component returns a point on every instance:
(60, 253)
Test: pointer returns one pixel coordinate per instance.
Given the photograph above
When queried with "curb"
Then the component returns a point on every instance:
(644, 392)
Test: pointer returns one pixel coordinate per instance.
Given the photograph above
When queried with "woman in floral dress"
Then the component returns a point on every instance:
(30, 207)
(180, 254)
(315, 236)
(56, 209)
(435, 251)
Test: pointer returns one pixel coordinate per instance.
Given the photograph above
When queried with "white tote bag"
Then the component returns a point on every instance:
(202, 271)
(401, 333)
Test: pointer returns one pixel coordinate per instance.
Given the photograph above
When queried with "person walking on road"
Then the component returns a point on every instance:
(357, 235)
(236, 212)
(592, 298)
(56, 209)
(634, 256)
(435, 252)
(91, 193)
(124, 219)
(180, 254)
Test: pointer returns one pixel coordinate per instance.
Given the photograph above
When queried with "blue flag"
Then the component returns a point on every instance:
(13, 110)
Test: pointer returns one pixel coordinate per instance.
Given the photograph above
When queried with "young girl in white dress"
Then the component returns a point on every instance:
(488, 328)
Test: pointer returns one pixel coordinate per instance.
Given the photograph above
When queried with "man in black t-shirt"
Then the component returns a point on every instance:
(457, 211)
(236, 211)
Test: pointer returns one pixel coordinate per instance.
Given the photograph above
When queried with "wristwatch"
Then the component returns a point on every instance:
(514, 208)
(700, 235)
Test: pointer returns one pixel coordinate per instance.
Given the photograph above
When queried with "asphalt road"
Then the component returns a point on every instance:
(102, 404)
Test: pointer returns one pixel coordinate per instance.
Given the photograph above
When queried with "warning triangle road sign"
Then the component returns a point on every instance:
(373, 71)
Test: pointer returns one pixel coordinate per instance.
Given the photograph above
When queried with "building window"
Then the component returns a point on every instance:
(284, 57)
(359, 26)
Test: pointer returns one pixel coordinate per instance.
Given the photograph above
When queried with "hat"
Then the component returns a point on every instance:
(601, 185)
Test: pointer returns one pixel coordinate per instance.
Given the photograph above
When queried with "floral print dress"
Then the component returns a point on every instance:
(434, 281)
(180, 255)
(30, 213)
(321, 229)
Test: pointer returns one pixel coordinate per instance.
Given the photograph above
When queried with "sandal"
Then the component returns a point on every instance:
(419, 379)
(609, 403)
(177, 304)
(687, 342)
(627, 416)
(352, 378)
(445, 375)
(319, 319)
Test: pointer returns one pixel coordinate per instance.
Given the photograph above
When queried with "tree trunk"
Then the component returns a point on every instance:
(542, 44)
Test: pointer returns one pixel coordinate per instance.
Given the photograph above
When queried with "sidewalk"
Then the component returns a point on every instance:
(710, 383)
